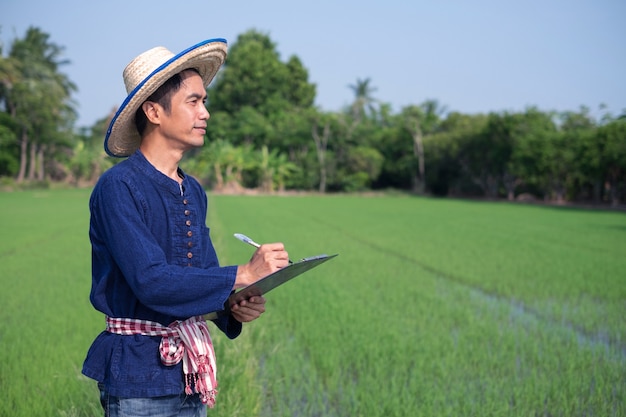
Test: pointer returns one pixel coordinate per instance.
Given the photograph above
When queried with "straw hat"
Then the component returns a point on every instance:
(145, 74)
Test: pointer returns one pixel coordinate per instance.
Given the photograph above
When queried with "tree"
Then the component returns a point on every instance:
(9, 151)
(255, 77)
(258, 100)
(487, 157)
(447, 149)
(221, 165)
(611, 138)
(362, 168)
(579, 144)
(275, 169)
(38, 100)
(299, 92)
(291, 137)
(321, 135)
(88, 159)
(419, 121)
(250, 127)
(363, 104)
(529, 132)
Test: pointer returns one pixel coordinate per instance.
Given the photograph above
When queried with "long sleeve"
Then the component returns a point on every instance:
(152, 259)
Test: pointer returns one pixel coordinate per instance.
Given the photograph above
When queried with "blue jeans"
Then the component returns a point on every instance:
(168, 406)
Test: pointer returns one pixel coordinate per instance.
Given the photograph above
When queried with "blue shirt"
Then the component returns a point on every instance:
(152, 259)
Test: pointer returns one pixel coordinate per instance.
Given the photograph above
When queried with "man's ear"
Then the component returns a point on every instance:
(151, 110)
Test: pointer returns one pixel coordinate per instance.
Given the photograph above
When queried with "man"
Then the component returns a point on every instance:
(155, 273)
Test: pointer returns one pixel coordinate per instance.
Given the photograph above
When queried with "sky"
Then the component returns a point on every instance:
(476, 56)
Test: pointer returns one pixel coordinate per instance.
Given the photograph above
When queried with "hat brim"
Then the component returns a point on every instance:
(122, 137)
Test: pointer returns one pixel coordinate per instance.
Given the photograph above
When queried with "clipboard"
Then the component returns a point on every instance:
(275, 279)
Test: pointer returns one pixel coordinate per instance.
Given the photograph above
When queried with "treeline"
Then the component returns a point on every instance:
(266, 133)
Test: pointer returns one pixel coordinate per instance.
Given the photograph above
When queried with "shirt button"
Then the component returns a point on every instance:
(185, 201)
(188, 222)
(189, 244)
(189, 233)
(187, 212)
(189, 255)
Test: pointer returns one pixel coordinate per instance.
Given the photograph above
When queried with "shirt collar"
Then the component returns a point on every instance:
(139, 160)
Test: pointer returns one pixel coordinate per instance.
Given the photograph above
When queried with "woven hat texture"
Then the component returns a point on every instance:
(145, 74)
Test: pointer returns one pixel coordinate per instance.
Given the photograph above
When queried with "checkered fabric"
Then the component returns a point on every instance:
(187, 340)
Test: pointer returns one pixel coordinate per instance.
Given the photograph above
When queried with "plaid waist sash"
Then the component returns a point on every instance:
(187, 340)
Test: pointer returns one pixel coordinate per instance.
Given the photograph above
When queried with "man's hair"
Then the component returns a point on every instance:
(162, 96)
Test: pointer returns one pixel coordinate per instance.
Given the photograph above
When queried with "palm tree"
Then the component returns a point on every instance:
(363, 100)
(39, 100)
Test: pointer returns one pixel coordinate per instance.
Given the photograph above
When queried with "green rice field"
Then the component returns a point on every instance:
(432, 308)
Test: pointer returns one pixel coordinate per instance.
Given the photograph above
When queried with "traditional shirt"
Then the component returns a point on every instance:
(152, 259)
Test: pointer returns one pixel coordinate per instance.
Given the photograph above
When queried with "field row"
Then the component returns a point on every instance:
(432, 308)
(437, 308)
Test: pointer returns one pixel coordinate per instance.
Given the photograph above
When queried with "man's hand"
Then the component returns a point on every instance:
(268, 258)
(248, 310)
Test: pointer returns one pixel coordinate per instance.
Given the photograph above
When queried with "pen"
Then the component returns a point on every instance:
(246, 239)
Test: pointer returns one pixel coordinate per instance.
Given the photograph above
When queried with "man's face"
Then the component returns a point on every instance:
(184, 126)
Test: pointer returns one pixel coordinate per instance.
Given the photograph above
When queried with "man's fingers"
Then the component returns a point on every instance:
(273, 251)
(247, 310)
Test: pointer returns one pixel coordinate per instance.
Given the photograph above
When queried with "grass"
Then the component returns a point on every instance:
(46, 319)
(433, 308)
(442, 307)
